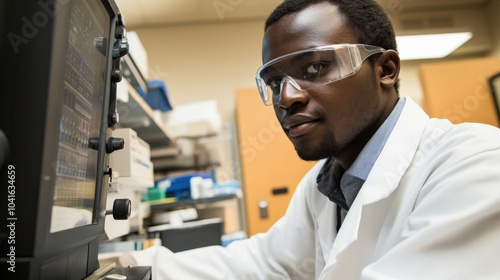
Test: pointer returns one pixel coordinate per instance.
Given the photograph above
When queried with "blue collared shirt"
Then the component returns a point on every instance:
(343, 187)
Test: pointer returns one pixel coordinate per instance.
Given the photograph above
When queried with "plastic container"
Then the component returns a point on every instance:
(179, 186)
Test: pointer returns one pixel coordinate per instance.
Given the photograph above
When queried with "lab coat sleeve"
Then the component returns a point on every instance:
(286, 251)
(454, 231)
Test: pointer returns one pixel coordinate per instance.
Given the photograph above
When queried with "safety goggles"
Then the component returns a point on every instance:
(311, 67)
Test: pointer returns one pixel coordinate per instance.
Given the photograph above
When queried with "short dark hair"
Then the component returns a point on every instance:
(368, 19)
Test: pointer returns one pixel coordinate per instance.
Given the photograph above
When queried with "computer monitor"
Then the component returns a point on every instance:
(494, 83)
(60, 60)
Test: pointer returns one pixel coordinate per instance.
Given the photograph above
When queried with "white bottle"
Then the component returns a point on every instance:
(195, 187)
(207, 188)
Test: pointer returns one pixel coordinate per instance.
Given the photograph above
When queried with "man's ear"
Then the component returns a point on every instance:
(389, 64)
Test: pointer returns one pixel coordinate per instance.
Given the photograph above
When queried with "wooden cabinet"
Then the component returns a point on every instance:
(459, 91)
(270, 167)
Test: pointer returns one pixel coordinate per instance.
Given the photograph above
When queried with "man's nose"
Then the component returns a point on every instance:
(290, 93)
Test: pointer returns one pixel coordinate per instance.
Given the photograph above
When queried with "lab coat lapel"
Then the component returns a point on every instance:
(359, 232)
(327, 229)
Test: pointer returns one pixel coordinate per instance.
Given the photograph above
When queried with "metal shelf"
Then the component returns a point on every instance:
(138, 115)
(167, 206)
(198, 161)
(132, 73)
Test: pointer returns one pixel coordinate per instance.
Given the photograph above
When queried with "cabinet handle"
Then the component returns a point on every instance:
(263, 209)
(280, 190)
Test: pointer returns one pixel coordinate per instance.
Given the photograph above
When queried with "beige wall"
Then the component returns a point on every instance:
(200, 62)
(494, 21)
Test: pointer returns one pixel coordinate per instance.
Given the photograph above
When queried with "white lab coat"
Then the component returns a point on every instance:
(429, 209)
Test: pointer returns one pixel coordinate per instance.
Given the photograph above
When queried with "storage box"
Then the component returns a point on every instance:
(132, 163)
(196, 119)
(189, 235)
(179, 186)
(157, 96)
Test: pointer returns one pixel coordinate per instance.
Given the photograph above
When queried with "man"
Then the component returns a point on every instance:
(395, 195)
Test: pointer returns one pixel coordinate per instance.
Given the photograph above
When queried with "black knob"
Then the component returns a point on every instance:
(121, 209)
(115, 117)
(101, 45)
(120, 48)
(109, 172)
(116, 76)
(120, 31)
(114, 144)
(94, 143)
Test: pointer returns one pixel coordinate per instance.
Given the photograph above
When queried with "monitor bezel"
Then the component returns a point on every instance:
(31, 106)
(58, 242)
(495, 91)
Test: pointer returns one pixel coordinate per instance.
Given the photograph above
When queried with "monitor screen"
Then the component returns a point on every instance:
(81, 112)
(494, 82)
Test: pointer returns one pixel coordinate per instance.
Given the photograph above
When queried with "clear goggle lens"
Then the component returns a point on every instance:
(312, 67)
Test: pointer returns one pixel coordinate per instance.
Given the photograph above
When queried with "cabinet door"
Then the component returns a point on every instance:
(459, 91)
(271, 169)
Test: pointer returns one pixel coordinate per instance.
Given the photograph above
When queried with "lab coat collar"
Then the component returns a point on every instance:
(383, 179)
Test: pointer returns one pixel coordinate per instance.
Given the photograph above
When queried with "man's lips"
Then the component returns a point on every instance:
(298, 125)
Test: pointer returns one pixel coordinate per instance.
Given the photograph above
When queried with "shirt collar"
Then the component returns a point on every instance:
(331, 179)
(367, 157)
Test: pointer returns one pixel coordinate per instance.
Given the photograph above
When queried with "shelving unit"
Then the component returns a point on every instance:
(136, 114)
(167, 153)
(167, 206)
(132, 73)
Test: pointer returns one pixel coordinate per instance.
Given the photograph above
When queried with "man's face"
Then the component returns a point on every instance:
(335, 119)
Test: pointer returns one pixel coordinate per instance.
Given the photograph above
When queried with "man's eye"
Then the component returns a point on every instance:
(274, 83)
(314, 68)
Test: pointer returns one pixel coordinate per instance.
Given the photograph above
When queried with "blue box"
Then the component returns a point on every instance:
(157, 96)
(179, 186)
